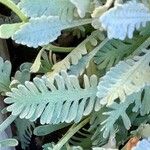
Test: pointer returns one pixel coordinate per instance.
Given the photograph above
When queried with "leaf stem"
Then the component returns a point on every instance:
(79, 22)
(15, 9)
(144, 45)
(7, 122)
(55, 48)
(70, 133)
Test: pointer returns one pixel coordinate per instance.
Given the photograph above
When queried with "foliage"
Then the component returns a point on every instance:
(97, 89)
(24, 131)
(5, 71)
(118, 14)
(8, 142)
(114, 85)
(31, 104)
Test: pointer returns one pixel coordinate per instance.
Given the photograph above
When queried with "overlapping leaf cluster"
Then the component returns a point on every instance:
(101, 88)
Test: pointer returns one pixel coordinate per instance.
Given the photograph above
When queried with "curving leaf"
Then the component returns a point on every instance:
(39, 31)
(43, 62)
(121, 20)
(79, 54)
(53, 100)
(125, 78)
(83, 63)
(43, 30)
(37, 62)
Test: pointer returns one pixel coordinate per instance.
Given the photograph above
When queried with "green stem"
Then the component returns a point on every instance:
(79, 22)
(145, 44)
(58, 49)
(7, 122)
(70, 133)
(15, 9)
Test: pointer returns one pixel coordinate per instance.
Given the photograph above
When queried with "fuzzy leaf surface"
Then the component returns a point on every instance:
(125, 78)
(61, 99)
(121, 20)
